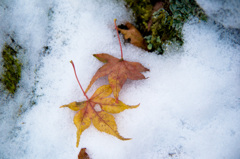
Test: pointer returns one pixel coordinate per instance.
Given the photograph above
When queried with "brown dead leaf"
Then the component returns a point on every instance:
(83, 154)
(134, 35)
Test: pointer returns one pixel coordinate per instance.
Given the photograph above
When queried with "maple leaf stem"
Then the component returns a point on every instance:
(118, 38)
(78, 80)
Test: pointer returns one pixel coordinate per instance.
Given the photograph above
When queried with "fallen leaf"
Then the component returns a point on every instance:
(102, 120)
(134, 35)
(118, 71)
(83, 154)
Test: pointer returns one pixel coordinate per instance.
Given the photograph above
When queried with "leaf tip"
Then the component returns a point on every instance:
(101, 57)
(122, 138)
(125, 139)
(63, 106)
(78, 139)
(135, 106)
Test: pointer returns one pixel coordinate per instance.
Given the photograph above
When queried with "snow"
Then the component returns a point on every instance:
(225, 12)
(189, 105)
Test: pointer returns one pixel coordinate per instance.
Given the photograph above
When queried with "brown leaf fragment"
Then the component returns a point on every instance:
(134, 35)
(83, 154)
(156, 7)
(118, 71)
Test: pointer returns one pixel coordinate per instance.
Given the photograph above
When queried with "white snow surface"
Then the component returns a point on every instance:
(189, 104)
(225, 12)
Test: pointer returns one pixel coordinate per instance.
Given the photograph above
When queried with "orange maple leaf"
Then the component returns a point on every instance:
(118, 71)
(102, 120)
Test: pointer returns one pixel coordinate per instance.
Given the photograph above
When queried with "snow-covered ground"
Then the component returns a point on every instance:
(189, 105)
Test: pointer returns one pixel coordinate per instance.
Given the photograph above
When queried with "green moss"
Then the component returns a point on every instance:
(142, 11)
(164, 26)
(163, 31)
(11, 69)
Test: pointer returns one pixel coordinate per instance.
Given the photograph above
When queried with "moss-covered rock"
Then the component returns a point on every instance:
(11, 68)
(161, 21)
